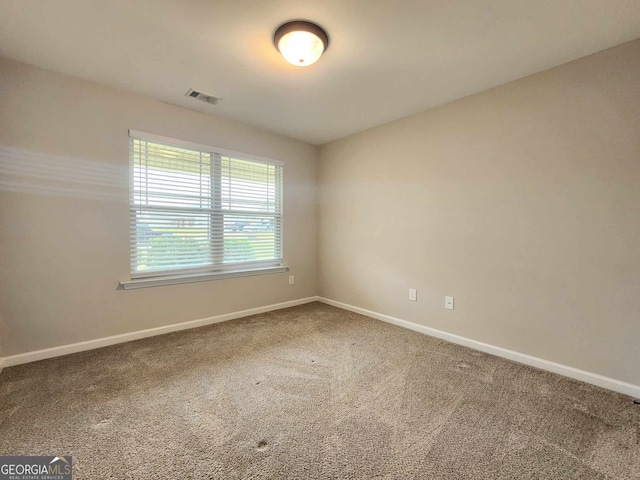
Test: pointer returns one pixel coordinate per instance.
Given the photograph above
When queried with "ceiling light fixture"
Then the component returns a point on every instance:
(301, 43)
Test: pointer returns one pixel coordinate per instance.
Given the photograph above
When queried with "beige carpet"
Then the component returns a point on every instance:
(313, 392)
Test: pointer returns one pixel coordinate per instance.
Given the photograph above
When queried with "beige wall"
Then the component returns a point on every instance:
(64, 249)
(522, 202)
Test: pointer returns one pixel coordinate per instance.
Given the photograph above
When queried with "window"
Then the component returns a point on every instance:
(197, 210)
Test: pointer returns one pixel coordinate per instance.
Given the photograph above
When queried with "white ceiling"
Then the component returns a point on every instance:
(387, 58)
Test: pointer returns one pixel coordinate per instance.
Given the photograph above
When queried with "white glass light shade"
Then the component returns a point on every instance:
(301, 48)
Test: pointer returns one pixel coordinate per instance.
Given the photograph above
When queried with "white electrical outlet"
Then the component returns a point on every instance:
(448, 303)
(292, 280)
(413, 295)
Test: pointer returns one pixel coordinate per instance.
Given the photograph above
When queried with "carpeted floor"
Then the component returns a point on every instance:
(313, 392)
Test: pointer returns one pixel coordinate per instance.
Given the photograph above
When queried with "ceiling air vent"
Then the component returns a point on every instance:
(205, 97)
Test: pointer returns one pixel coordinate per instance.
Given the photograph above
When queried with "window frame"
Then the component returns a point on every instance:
(215, 270)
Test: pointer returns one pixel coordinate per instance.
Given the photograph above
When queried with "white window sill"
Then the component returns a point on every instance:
(197, 277)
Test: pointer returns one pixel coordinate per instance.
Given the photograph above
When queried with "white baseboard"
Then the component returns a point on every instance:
(151, 332)
(571, 372)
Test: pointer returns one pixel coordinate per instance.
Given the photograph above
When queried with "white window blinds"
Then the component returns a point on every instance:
(201, 210)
